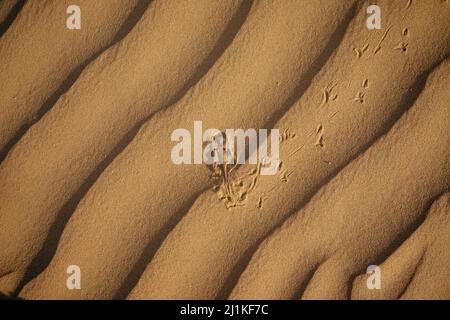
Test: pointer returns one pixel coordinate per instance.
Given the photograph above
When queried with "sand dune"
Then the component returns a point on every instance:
(50, 51)
(359, 215)
(83, 128)
(6, 8)
(419, 267)
(309, 167)
(227, 76)
(88, 180)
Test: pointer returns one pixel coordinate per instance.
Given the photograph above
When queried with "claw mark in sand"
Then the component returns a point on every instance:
(403, 46)
(286, 135)
(359, 51)
(365, 83)
(233, 191)
(327, 93)
(378, 47)
(334, 114)
(231, 188)
(359, 97)
(319, 140)
(405, 32)
(301, 147)
(319, 128)
(408, 4)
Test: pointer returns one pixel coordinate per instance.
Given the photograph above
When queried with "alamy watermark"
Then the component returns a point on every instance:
(232, 146)
(74, 279)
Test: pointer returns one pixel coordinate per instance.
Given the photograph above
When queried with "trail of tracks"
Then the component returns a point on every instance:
(93, 175)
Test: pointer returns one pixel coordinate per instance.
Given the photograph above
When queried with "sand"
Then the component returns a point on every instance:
(423, 257)
(87, 177)
(308, 169)
(356, 229)
(52, 52)
(82, 131)
(6, 9)
(149, 194)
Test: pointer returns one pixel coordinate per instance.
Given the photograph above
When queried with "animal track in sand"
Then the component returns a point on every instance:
(383, 37)
(354, 182)
(365, 83)
(359, 51)
(408, 3)
(402, 46)
(359, 97)
(319, 139)
(328, 94)
(233, 189)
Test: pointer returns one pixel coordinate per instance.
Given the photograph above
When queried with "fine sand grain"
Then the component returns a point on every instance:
(218, 256)
(356, 225)
(6, 9)
(242, 80)
(59, 156)
(86, 176)
(418, 269)
(52, 52)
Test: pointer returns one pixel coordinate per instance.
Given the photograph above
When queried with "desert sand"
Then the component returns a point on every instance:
(89, 134)
(6, 12)
(50, 56)
(86, 176)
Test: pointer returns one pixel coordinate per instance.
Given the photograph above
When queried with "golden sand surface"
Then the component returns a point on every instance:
(87, 179)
